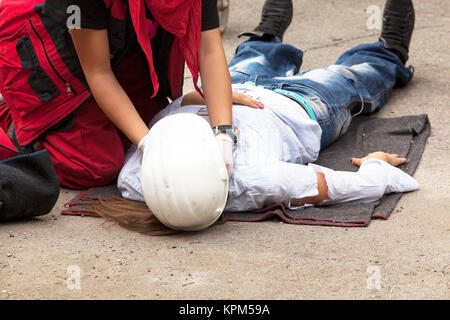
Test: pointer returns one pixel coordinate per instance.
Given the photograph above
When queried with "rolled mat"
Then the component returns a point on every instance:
(405, 136)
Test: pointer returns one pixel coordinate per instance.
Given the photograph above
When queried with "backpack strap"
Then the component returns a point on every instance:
(12, 135)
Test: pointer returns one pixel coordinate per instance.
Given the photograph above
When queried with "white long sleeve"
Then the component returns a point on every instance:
(374, 179)
(256, 186)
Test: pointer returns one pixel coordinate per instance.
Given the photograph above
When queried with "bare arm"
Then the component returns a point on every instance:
(92, 47)
(215, 77)
(194, 98)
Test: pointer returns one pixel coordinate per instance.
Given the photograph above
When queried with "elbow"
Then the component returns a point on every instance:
(99, 78)
(322, 188)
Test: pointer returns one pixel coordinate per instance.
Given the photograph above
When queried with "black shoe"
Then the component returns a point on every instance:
(398, 26)
(275, 19)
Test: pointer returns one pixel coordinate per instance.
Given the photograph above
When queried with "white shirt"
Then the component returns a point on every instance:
(270, 159)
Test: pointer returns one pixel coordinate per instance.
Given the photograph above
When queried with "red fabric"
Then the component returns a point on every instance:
(182, 18)
(32, 116)
(5, 121)
(5, 117)
(118, 9)
(6, 142)
(139, 17)
(176, 67)
(91, 153)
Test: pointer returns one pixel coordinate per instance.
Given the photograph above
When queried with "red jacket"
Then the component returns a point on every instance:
(40, 76)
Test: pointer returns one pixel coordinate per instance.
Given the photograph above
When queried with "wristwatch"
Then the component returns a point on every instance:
(231, 131)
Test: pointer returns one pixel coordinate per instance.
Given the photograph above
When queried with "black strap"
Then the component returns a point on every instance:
(5, 147)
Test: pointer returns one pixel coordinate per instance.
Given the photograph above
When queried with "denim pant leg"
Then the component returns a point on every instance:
(375, 71)
(360, 81)
(261, 59)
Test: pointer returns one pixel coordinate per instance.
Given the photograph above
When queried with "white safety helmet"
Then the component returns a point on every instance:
(184, 179)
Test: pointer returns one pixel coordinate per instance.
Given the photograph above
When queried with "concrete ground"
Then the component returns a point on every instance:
(409, 253)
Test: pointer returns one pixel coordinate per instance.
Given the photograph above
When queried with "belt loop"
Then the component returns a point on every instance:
(251, 80)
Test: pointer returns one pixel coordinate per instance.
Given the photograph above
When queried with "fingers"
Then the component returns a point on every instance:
(239, 98)
(252, 103)
(391, 158)
(395, 161)
(399, 161)
(257, 104)
(356, 161)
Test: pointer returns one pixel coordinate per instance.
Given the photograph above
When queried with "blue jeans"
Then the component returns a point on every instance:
(360, 81)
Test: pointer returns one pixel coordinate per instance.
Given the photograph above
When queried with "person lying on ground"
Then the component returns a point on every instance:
(294, 116)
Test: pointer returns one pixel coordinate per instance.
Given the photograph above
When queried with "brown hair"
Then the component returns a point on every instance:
(134, 216)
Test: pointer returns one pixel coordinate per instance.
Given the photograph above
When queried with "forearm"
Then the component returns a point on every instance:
(92, 47)
(117, 106)
(193, 98)
(215, 77)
